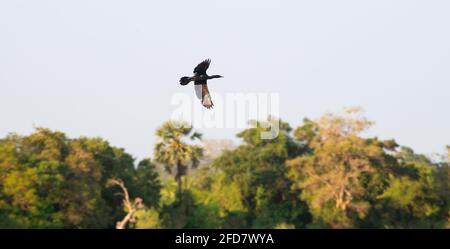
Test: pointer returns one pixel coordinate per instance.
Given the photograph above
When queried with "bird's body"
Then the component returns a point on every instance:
(200, 79)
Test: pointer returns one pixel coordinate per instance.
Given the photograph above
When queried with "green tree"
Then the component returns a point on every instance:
(148, 218)
(258, 169)
(417, 193)
(146, 183)
(50, 181)
(332, 175)
(176, 154)
(141, 181)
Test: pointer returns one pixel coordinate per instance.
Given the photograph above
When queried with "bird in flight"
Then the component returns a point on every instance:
(200, 82)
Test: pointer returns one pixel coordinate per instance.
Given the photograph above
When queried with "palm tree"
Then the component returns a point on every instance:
(172, 151)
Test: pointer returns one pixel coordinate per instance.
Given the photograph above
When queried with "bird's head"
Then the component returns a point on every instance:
(217, 76)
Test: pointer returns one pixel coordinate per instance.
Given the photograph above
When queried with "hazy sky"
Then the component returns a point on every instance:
(109, 68)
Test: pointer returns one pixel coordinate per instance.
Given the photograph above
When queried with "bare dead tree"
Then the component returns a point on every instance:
(131, 206)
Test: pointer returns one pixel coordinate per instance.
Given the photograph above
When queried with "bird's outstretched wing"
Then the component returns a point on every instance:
(202, 67)
(202, 93)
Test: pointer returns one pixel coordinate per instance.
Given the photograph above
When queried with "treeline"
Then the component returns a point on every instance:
(322, 174)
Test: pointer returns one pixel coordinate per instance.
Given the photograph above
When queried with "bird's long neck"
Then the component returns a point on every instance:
(214, 76)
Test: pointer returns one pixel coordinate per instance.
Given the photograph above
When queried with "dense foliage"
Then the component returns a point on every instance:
(50, 181)
(322, 174)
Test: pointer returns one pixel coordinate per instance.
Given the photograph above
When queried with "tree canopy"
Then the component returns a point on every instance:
(325, 173)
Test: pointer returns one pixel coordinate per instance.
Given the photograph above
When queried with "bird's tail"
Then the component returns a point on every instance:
(185, 80)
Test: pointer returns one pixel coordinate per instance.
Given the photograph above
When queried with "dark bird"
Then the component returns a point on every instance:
(200, 79)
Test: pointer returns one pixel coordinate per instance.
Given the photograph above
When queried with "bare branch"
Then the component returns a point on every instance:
(131, 206)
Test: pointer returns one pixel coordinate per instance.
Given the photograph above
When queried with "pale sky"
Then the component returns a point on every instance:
(109, 68)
